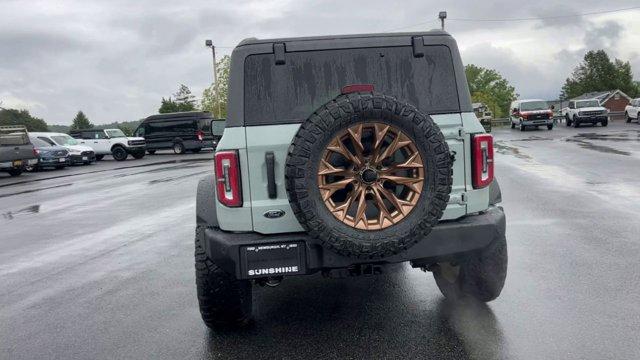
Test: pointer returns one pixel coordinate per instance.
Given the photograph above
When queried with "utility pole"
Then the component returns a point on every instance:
(209, 43)
(442, 15)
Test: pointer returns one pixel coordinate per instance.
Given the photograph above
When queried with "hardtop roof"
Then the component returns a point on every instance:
(254, 41)
(180, 115)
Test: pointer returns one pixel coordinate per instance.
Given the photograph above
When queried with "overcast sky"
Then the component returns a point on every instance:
(115, 59)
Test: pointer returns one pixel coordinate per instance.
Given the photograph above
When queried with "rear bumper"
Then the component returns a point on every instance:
(448, 240)
(82, 159)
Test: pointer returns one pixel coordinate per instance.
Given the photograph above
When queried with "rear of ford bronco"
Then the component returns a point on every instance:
(341, 155)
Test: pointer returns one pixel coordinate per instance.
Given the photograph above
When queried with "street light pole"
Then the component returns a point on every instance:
(209, 43)
(442, 15)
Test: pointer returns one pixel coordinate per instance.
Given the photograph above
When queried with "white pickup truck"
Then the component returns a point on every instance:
(588, 111)
(632, 111)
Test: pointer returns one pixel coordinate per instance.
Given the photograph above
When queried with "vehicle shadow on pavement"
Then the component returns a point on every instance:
(377, 317)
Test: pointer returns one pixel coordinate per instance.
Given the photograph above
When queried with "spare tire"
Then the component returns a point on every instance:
(368, 175)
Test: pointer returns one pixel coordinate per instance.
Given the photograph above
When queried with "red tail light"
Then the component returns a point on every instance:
(200, 135)
(228, 185)
(482, 160)
(356, 88)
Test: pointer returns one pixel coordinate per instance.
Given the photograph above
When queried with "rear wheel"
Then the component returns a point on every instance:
(480, 276)
(628, 117)
(119, 153)
(567, 120)
(513, 125)
(15, 172)
(99, 157)
(138, 154)
(224, 301)
(576, 123)
(178, 148)
(604, 122)
(522, 126)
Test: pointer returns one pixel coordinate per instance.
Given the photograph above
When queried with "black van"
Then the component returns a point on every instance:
(181, 131)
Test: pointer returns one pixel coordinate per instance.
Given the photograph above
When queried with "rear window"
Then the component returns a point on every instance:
(289, 93)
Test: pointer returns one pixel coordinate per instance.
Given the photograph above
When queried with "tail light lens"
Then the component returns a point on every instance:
(482, 161)
(200, 135)
(228, 183)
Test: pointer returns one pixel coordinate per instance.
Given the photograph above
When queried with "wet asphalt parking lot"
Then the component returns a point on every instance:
(96, 262)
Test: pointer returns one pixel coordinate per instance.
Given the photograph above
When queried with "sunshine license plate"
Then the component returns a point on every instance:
(272, 260)
(17, 163)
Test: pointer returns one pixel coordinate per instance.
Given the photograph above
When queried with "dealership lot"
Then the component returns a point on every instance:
(97, 262)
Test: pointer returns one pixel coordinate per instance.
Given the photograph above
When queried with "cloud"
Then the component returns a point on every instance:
(116, 59)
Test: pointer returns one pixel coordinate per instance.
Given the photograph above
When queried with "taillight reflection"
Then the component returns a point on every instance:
(482, 160)
(228, 182)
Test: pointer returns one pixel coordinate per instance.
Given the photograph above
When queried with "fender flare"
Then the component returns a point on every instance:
(206, 203)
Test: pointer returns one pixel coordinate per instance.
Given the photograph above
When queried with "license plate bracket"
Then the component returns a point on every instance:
(271, 260)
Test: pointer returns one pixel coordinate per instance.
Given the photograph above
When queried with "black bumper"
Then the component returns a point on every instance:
(592, 119)
(80, 159)
(448, 240)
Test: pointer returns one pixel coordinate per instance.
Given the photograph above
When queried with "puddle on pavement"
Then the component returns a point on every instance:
(534, 138)
(504, 149)
(630, 135)
(174, 178)
(33, 209)
(35, 190)
(600, 148)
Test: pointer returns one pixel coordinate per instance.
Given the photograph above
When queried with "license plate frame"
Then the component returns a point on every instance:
(272, 260)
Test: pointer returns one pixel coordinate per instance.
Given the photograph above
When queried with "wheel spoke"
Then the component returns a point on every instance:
(338, 147)
(362, 206)
(341, 211)
(413, 183)
(331, 188)
(397, 203)
(356, 136)
(413, 162)
(384, 212)
(399, 142)
(328, 169)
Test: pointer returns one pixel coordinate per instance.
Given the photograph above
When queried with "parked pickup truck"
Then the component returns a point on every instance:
(16, 151)
(585, 112)
(632, 111)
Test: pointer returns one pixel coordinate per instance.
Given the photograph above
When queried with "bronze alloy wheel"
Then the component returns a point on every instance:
(371, 176)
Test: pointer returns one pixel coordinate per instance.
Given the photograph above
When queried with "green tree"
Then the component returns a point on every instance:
(22, 117)
(81, 121)
(208, 102)
(489, 87)
(598, 73)
(183, 100)
(168, 106)
(126, 129)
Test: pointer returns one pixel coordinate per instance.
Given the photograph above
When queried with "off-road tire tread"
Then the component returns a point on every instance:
(482, 275)
(224, 301)
(343, 109)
